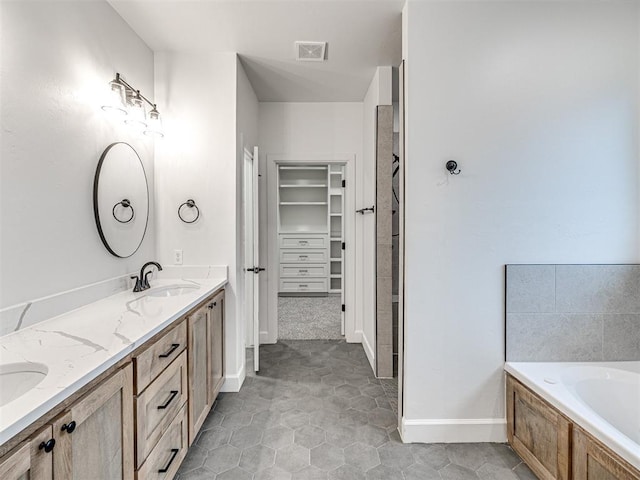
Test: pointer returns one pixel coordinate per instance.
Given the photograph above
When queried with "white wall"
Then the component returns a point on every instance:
(538, 103)
(327, 129)
(379, 93)
(247, 138)
(198, 159)
(57, 59)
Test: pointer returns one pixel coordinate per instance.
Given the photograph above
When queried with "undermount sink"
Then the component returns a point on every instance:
(172, 290)
(16, 379)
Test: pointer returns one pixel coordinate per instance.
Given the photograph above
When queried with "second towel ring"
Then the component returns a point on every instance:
(125, 203)
(191, 204)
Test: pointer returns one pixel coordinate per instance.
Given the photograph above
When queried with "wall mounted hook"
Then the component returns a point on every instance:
(452, 167)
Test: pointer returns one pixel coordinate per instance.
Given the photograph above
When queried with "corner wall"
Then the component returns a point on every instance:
(379, 93)
(247, 138)
(57, 60)
(198, 159)
(538, 104)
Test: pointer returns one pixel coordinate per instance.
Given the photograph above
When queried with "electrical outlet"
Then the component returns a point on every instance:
(177, 257)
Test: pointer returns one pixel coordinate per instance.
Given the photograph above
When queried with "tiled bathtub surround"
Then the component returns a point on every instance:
(572, 312)
(23, 315)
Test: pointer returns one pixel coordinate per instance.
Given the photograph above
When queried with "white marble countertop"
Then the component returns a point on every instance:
(79, 345)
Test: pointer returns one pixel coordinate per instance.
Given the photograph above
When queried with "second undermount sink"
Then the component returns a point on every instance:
(16, 379)
(172, 290)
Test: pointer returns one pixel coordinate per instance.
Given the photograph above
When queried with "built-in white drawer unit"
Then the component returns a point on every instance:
(310, 285)
(300, 241)
(303, 256)
(298, 271)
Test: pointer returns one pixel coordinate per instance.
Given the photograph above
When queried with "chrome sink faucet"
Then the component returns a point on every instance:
(142, 281)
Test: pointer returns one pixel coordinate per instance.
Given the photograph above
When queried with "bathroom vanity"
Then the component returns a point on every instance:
(129, 381)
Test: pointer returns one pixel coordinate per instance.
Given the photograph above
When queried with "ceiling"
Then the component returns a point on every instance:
(361, 35)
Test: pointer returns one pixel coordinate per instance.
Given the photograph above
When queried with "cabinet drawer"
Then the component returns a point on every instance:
(169, 452)
(298, 271)
(303, 242)
(303, 256)
(310, 285)
(158, 355)
(158, 405)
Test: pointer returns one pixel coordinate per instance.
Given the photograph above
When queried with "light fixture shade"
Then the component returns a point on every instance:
(154, 124)
(116, 98)
(137, 116)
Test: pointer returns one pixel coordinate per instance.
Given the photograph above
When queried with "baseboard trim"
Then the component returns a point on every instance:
(369, 351)
(233, 383)
(453, 430)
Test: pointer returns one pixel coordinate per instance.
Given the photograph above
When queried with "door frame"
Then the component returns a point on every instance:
(269, 326)
(248, 202)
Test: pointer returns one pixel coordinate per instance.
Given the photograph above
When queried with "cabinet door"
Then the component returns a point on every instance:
(32, 460)
(216, 339)
(591, 461)
(539, 434)
(198, 366)
(94, 439)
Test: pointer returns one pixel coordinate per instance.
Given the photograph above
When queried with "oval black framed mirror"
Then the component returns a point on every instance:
(121, 199)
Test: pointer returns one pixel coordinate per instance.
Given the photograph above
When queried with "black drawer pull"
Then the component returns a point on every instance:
(48, 445)
(173, 395)
(69, 427)
(174, 453)
(211, 305)
(168, 353)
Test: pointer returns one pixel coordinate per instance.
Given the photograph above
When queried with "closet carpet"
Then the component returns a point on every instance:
(309, 318)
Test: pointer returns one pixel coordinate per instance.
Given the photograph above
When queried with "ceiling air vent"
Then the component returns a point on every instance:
(311, 51)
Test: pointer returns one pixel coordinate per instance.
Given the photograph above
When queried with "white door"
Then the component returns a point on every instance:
(251, 254)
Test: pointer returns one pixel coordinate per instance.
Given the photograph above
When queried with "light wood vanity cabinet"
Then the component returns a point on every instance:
(216, 342)
(555, 448)
(105, 432)
(30, 461)
(206, 360)
(92, 439)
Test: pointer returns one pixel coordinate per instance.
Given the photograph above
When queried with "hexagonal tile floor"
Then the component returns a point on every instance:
(315, 411)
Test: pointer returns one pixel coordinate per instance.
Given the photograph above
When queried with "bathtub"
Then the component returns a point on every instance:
(602, 397)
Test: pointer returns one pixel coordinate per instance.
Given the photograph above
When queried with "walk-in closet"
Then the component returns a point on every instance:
(310, 219)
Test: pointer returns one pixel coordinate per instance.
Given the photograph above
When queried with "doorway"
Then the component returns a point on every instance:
(310, 240)
(310, 214)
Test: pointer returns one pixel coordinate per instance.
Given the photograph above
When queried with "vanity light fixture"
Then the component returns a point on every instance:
(127, 101)
(137, 116)
(116, 100)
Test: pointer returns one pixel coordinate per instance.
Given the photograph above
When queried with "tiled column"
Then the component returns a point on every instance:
(384, 205)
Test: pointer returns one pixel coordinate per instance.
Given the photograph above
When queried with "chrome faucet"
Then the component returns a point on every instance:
(142, 281)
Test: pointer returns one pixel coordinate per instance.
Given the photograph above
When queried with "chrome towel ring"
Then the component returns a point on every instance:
(191, 204)
(125, 203)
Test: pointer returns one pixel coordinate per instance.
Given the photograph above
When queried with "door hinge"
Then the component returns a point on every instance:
(344, 307)
(343, 245)
(344, 183)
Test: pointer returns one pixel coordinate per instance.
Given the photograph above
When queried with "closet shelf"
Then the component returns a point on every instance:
(302, 185)
(303, 203)
(283, 167)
